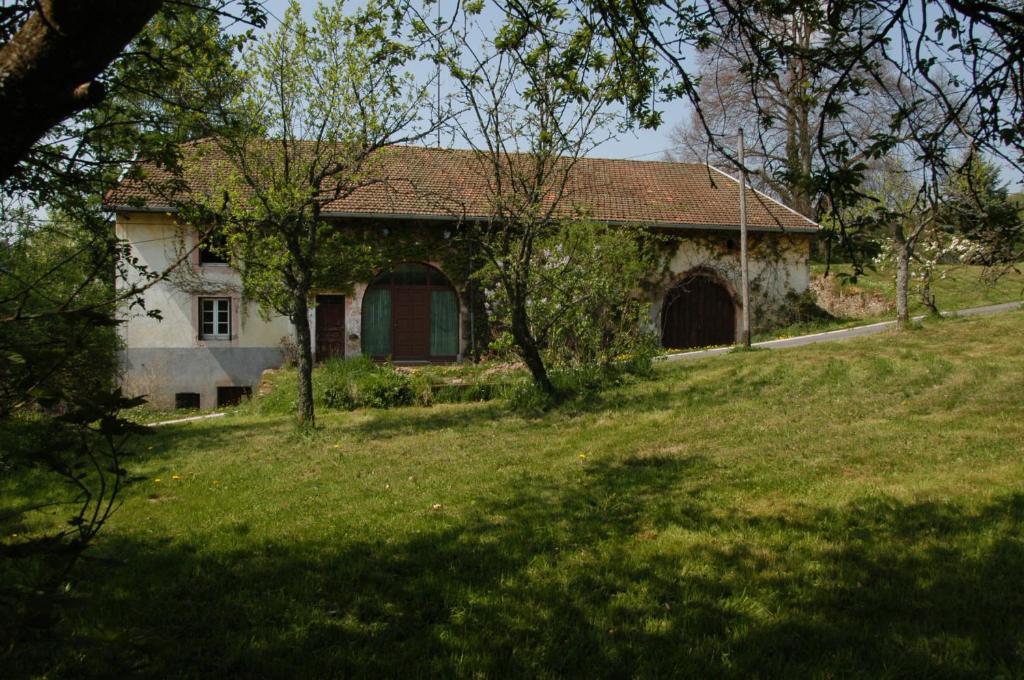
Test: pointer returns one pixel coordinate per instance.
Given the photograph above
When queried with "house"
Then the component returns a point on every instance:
(211, 345)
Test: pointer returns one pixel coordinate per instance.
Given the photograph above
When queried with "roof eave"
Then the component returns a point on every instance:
(682, 226)
(692, 226)
(111, 207)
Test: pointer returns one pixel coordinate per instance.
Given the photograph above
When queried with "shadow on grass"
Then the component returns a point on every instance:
(161, 443)
(403, 422)
(616, 575)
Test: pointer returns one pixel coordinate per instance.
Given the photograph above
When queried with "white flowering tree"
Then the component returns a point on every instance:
(583, 298)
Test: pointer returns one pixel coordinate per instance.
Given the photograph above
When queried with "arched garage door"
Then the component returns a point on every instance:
(411, 314)
(698, 312)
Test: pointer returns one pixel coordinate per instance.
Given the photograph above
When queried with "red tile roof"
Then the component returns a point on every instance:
(420, 182)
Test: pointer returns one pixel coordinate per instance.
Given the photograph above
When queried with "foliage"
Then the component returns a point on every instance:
(537, 98)
(583, 296)
(353, 383)
(578, 386)
(83, 447)
(983, 223)
(60, 58)
(778, 105)
(64, 278)
(348, 384)
(703, 524)
(955, 61)
(47, 357)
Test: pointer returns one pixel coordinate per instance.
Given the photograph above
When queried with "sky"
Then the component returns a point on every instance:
(640, 145)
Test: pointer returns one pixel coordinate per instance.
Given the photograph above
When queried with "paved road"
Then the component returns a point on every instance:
(829, 336)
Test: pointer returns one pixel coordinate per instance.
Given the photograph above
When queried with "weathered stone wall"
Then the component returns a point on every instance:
(779, 270)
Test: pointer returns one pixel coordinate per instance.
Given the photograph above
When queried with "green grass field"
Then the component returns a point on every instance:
(849, 509)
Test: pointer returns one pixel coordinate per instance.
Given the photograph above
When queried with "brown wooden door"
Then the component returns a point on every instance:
(410, 323)
(699, 312)
(330, 326)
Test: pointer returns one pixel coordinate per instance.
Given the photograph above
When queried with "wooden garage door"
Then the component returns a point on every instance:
(411, 314)
(698, 312)
(410, 323)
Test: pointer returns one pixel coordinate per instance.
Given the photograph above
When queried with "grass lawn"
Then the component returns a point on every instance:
(849, 509)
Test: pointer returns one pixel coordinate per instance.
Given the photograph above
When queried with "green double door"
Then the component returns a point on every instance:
(411, 323)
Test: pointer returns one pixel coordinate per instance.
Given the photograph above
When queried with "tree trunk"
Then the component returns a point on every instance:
(927, 295)
(902, 279)
(304, 363)
(48, 69)
(531, 355)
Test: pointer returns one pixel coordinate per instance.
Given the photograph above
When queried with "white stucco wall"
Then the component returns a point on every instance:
(158, 241)
(165, 356)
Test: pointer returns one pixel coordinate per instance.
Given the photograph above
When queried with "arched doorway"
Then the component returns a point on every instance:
(411, 313)
(698, 312)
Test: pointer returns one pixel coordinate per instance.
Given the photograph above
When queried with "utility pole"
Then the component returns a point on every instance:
(437, 27)
(744, 270)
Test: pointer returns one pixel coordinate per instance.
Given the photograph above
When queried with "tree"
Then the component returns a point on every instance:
(533, 106)
(53, 55)
(60, 411)
(148, 111)
(585, 304)
(900, 195)
(316, 107)
(977, 207)
(778, 109)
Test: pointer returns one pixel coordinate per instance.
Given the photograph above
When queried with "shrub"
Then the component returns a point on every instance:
(336, 382)
(359, 382)
(526, 398)
(582, 299)
(384, 388)
(347, 384)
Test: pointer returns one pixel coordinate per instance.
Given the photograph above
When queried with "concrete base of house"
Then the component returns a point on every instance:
(164, 374)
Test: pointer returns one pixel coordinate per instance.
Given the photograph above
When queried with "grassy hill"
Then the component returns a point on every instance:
(844, 509)
(954, 286)
(873, 296)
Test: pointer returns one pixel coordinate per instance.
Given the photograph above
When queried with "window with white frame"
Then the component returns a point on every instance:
(215, 318)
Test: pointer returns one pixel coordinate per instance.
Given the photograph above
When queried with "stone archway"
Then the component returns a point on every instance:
(699, 311)
(411, 313)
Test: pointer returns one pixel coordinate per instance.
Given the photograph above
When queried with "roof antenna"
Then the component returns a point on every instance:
(437, 26)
